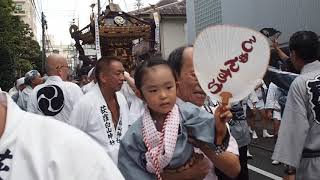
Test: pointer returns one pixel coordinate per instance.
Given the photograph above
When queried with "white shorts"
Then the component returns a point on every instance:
(276, 115)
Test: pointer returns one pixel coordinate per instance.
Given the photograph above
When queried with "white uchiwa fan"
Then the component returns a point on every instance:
(217, 44)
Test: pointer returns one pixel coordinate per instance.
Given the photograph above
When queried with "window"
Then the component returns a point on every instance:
(19, 9)
(207, 13)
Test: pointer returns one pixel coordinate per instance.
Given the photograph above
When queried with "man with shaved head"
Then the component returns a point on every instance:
(56, 97)
(57, 66)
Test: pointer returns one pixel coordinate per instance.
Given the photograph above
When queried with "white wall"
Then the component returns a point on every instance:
(287, 16)
(172, 34)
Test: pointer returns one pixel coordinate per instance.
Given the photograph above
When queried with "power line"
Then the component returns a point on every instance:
(104, 3)
(125, 3)
(39, 2)
(48, 44)
(62, 14)
(139, 4)
(58, 10)
(48, 39)
(36, 10)
(75, 7)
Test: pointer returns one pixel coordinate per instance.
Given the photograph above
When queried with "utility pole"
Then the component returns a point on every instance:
(44, 26)
(139, 4)
(99, 7)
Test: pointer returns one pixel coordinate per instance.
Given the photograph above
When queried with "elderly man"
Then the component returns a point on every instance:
(103, 113)
(189, 90)
(17, 89)
(31, 80)
(298, 144)
(19, 82)
(37, 147)
(56, 97)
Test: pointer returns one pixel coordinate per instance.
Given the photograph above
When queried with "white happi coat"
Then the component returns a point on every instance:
(272, 97)
(256, 96)
(92, 115)
(35, 147)
(24, 97)
(13, 91)
(86, 88)
(136, 105)
(54, 98)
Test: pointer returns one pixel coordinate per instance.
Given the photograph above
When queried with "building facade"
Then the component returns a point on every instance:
(172, 34)
(67, 51)
(26, 10)
(173, 23)
(287, 16)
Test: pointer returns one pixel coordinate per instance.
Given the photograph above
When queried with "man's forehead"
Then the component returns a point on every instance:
(113, 66)
(57, 58)
(188, 52)
(116, 65)
(187, 57)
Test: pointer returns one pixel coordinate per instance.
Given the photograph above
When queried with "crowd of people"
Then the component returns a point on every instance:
(157, 122)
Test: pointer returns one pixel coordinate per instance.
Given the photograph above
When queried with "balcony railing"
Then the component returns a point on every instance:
(19, 12)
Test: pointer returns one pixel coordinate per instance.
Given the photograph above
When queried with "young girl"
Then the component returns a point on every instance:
(159, 139)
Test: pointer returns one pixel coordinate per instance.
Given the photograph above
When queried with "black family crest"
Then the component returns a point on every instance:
(50, 100)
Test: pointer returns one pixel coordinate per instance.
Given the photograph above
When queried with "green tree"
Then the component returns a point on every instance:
(23, 66)
(6, 69)
(19, 52)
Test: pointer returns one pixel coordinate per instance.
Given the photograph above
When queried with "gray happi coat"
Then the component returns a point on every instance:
(300, 126)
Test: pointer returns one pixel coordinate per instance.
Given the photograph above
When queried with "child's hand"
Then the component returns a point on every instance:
(275, 43)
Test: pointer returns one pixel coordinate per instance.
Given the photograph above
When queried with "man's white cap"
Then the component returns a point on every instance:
(19, 82)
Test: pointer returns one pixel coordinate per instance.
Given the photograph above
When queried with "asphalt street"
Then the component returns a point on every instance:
(260, 165)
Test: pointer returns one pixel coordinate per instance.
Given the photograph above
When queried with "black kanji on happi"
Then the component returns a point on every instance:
(107, 125)
(3, 166)
(313, 87)
(103, 109)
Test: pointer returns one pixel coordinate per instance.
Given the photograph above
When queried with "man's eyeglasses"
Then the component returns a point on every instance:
(59, 67)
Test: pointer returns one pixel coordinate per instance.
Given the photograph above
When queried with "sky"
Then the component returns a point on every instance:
(59, 15)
